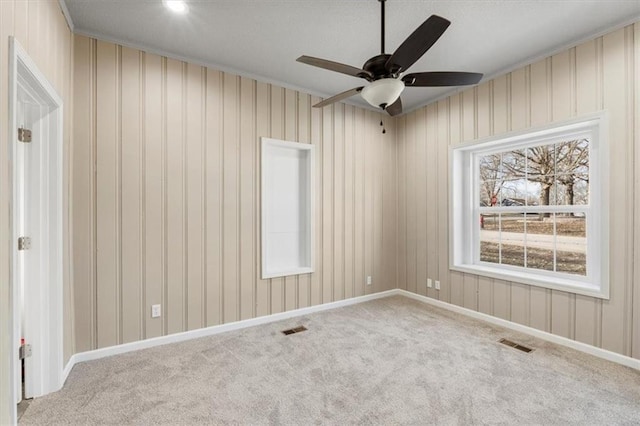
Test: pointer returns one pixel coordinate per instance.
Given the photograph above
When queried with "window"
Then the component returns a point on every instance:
(533, 208)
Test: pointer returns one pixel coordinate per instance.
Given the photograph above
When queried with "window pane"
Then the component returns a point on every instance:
(541, 194)
(540, 241)
(490, 238)
(572, 157)
(512, 239)
(541, 170)
(533, 193)
(490, 222)
(514, 164)
(581, 190)
(571, 224)
(489, 192)
(490, 167)
(513, 193)
(572, 172)
(571, 244)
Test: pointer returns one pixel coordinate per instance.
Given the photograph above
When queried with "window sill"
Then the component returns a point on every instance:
(554, 283)
(286, 273)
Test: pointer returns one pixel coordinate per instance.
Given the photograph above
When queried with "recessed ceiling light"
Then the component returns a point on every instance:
(177, 6)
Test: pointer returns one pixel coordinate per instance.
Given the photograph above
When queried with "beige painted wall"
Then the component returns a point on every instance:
(166, 199)
(603, 74)
(41, 29)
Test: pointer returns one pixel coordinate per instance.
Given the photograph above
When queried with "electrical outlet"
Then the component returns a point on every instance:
(429, 283)
(156, 311)
(437, 285)
(369, 280)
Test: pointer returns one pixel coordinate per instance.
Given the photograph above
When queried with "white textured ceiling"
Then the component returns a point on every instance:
(263, 38)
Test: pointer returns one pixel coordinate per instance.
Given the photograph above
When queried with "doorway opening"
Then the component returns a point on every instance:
(35, 120)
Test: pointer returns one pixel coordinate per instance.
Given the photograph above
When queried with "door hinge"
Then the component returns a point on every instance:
(24, 243)
(25, 351)
(24, 135)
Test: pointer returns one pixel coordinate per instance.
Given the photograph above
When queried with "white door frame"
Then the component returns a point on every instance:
(46, 302)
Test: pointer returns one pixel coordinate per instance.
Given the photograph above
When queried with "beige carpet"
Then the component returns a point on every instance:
(390, 361)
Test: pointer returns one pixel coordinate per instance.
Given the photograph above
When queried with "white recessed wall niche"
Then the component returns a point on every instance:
(287, 208)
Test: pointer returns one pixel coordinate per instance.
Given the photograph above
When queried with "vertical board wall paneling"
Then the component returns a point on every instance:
(411, 214)
(248, 147)
(130, 247)
(290, 134)
(277, 132)
(421, 200)
(338, 201)
(194, 187)
(597, 75)
(469, 129)
(359, 182)
(431, 216)
(175, 170)
(303, 135)
(327, 204)
(402, 172)
(230, 198)
(154, 194)
(388, 160)
(177, 196)
(456, 279)
(441, 248)
(635, 337)
(348, 200)
(83, 197)
(263, 128)
(615, 91)
(376, 210)
(107, 199)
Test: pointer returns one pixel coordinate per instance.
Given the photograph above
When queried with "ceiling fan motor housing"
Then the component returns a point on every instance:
(376, 66)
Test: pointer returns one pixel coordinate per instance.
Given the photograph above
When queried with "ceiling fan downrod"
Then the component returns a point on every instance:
(382, 27)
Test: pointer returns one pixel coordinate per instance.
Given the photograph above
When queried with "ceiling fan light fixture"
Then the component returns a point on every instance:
(383, 92)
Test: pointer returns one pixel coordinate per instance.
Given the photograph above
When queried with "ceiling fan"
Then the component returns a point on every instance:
(385, 72)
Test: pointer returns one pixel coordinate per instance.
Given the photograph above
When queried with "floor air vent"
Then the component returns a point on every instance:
(294, 330)
(515, 345)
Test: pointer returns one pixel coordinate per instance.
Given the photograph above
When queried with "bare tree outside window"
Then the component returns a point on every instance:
(555, 174)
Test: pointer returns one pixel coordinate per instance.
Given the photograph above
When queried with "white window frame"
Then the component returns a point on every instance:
(464, 206)
(271, 150)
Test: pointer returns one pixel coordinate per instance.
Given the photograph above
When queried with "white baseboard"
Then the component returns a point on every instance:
(582, 347)
(210, 331)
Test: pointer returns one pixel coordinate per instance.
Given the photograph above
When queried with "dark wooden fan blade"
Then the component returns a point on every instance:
(339, 97)
(395, 108)
(417, 44)
(441, 78)
(335, 66)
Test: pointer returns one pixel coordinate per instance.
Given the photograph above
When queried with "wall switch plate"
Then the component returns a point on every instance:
(156, 311)
(437, 285)
(429, 283)
(369, 280)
